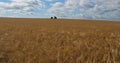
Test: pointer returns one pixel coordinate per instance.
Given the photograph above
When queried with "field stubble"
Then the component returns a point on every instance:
(59, 41)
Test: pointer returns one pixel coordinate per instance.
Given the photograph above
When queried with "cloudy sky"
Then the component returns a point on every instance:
(76, 9)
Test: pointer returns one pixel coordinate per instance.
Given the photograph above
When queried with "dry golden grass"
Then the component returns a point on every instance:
(59, 41)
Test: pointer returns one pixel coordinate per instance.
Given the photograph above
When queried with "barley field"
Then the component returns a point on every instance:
(59, 41)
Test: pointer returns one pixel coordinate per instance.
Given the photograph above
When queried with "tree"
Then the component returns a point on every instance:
(51, 17)
(55, 17)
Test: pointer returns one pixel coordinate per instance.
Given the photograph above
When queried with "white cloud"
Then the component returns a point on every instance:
(58, 9)
(21, 6)
(52, 0)
(88, 9)
(49, 0)
(85, 9)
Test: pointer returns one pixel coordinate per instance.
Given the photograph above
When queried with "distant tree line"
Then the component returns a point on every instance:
(54, 17)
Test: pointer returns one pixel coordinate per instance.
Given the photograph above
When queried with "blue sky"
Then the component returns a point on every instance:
(73, 9)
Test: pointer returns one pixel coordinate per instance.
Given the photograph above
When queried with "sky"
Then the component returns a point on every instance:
(72, 9)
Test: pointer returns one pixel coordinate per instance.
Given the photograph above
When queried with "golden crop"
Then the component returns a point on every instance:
(59, 41)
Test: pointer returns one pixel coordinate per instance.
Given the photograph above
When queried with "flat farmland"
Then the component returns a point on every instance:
(59, 41)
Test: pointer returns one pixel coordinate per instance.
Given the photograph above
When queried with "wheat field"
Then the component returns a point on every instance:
(59, 41)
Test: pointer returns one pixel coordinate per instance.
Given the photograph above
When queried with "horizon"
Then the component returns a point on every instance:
(60, 19)
(65, 9)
